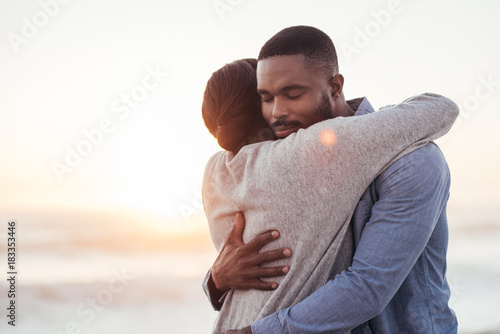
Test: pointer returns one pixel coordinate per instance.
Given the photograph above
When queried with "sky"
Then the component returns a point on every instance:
(100, 101)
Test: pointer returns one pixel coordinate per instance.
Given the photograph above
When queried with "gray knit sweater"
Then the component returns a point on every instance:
(307, 188)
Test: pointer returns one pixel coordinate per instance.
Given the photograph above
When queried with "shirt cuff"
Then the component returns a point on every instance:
(222, 299)
(269, 324)
(209, 287)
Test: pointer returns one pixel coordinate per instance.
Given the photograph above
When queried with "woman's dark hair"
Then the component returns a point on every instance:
(231, 107)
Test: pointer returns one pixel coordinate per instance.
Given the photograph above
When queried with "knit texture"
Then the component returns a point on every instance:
(307, 186)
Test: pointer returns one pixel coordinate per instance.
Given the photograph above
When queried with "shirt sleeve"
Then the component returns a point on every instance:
(209, 288)
(412, 194)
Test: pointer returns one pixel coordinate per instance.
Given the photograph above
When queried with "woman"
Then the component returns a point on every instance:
(231, 106)
(304, 186)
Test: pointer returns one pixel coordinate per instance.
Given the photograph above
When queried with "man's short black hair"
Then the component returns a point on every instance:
(314, 44)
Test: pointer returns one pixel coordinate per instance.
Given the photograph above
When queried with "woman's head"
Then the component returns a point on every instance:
(231, 106)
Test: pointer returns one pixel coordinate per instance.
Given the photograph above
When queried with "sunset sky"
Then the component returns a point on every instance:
(136, 71)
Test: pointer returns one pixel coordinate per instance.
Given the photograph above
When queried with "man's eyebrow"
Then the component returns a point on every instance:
(283, 89)
(292, 87)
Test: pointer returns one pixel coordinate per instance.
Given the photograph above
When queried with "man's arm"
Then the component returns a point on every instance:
(238, 264)
(412, 196)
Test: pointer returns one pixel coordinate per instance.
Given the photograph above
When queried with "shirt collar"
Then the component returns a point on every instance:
(361, 106)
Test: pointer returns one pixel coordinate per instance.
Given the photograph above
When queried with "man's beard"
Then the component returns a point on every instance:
(324, 109)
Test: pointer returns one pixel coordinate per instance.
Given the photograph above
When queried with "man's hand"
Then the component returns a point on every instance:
(246, 330)
(238, 265)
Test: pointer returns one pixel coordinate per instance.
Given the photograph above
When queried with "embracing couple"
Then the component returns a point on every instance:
(328, 217)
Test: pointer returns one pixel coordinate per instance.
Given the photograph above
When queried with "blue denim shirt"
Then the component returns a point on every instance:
(397, 282)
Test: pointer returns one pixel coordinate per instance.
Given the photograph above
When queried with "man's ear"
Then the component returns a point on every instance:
(336, 85)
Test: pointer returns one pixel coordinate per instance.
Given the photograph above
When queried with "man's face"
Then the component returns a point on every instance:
(293, 96)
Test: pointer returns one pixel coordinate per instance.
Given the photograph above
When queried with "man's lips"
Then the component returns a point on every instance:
(283, 129)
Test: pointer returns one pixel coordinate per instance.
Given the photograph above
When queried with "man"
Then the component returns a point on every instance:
(396, 283)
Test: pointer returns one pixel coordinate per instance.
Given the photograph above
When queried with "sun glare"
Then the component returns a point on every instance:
(328, 137)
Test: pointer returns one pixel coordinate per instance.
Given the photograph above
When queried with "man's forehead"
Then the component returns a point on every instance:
(278, 63)
(281, 68)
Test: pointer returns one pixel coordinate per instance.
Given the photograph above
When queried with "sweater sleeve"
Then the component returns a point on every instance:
(363, 146)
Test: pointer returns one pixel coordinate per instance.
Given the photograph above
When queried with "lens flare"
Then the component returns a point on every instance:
(328, 137)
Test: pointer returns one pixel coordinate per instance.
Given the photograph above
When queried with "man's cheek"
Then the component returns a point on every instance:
(267, 114)
(304, 108)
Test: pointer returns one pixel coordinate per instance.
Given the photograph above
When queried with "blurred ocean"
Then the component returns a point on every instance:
(106, 273)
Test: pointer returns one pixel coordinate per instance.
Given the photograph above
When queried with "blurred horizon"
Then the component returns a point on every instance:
(151, 145)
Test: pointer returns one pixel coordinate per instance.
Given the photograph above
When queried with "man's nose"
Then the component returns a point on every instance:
(280, 109)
